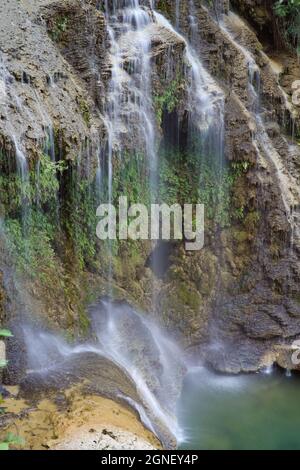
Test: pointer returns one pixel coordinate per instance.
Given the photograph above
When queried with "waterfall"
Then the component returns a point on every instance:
(206, 106)
(129, 113)
(129, 100)
(206, 99)
(127, 338)
(138, 346)
(7, 97)
(11, 96)
(154, 362)
(8, 100)
(289, 189)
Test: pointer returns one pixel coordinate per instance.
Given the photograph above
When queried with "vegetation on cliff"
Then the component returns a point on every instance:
(289, 12)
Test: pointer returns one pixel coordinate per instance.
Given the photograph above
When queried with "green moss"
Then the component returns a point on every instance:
(80, 222)
(131, 178)
(33, 252)
(187, 295)
(39, 189)
(289, 13)
(240, 236)
(84, 321)
(59, 28)
(252, 220)
(85, 110)
(169, 99)
(164, 7)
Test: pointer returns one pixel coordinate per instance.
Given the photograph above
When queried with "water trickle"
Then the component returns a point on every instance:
(268, 370)
(129, 99)
(289, 189)
(8, 101)
(206, 99)
(7, 97)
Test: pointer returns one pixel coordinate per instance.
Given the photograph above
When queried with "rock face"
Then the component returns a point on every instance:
(112, 438)
(69, 420)
(237, 300)
(40, 89)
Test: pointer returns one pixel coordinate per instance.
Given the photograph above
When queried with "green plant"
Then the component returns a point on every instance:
(60, 26)
(39, 189)
(44, 182)
(284, 8)
(11, 439)
(33, 253)
(85, 110)
(81, 220)
(289, 12)
(240, 168)
(4, 333)
(168, 100)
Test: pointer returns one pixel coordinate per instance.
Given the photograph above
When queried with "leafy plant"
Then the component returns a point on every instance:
(11, 439)
(59, 28)
(31, 251)
(44, 182)
(289, 12)
(168, 100)
(284, 8)
(6, 333)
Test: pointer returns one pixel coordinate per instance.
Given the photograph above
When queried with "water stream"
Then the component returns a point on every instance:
(289, 188)
(209, 411)
(7, 99)
(133, 342)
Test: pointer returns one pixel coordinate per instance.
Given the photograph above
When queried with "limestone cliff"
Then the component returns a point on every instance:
(236, 302)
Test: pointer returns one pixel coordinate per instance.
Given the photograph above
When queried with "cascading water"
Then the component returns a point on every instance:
(290, 192)
(209, 99)
(129, 113)
(129, 100)
(151, 359)
(7, 100)
(206, 108)
(206, 99)
(130, 107)
(154, 361)
(7, 97)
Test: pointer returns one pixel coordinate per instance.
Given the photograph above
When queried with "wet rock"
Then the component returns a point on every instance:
(243, 288)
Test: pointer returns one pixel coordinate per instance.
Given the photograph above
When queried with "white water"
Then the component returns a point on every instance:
(130, 115)
(14, 110)
(130, 112)
(138, 346)
(206, 99)
(7, 98)
(127, 338)
(289, 188)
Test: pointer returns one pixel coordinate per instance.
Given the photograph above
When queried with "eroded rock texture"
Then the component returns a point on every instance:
(237, 300)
